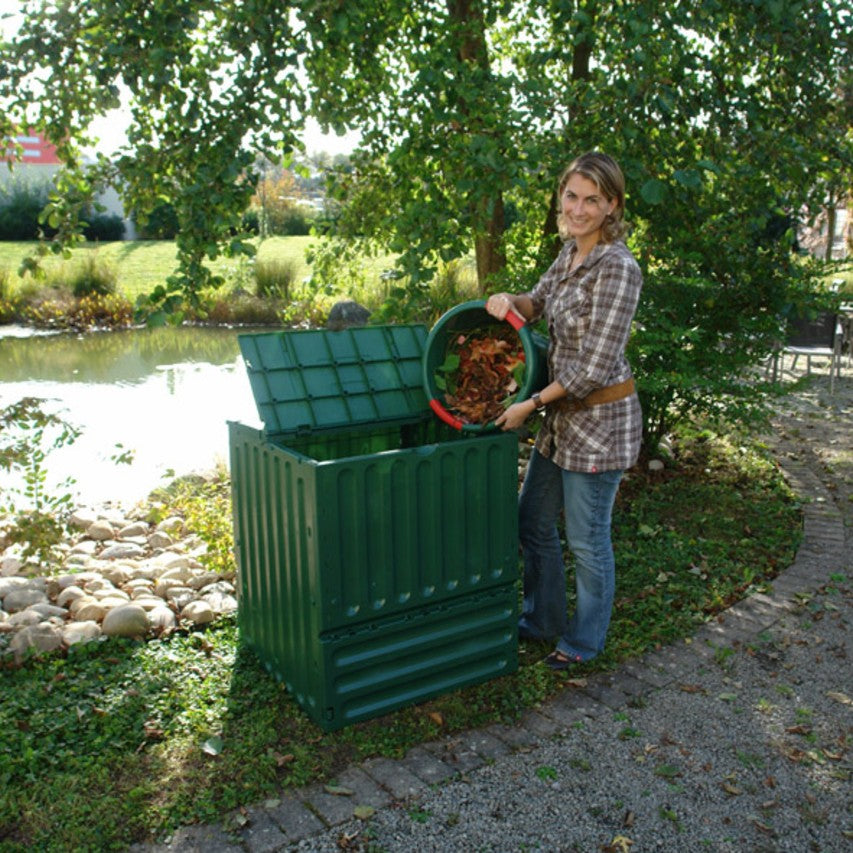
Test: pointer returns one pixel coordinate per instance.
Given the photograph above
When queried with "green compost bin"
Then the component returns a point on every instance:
(462, 319)
(377, 547)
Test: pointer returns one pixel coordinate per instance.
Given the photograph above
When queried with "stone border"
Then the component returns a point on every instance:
(381, 782)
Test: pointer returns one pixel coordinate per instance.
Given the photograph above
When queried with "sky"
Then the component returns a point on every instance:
(110, 128)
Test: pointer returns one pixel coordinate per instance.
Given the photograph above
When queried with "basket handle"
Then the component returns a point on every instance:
(514, 319)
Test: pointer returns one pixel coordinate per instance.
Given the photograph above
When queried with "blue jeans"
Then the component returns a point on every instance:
(587, 500)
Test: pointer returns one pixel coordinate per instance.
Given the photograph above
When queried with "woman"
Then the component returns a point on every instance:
(592, 427)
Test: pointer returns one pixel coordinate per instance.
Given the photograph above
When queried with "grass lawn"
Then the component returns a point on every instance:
(119, 741)
(143, 264)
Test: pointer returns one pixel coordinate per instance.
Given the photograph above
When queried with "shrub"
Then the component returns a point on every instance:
(92, 275)
(21, 201)
(160, 224)
(105, 227)
(274, 279)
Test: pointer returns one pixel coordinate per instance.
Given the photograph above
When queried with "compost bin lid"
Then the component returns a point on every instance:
(317, 379)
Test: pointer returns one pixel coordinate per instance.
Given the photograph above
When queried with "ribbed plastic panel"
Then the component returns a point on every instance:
(343, 678)
(348, 541)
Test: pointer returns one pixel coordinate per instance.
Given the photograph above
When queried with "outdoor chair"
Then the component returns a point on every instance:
(817, 337)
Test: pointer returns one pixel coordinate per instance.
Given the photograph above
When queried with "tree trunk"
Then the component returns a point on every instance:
(488, 246)
(487, 212)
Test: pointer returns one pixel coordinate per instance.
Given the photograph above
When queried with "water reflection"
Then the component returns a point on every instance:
(165, 394)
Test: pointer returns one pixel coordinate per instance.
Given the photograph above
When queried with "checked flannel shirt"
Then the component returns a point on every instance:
(589, 312)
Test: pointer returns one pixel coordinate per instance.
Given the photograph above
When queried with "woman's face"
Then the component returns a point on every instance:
(584, 208)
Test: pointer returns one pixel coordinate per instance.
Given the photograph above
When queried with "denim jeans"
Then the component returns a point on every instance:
(587, 500)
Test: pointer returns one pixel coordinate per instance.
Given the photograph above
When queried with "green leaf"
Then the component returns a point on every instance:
(654, 191)
(213, 745)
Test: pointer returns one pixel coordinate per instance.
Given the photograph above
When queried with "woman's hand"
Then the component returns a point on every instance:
(499, 305)
(515, 415)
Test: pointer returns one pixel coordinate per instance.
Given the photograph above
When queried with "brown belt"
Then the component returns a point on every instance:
(609, 394)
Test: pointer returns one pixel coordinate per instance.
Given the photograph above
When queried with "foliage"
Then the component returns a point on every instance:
(188, 728)
(103, 227)
(280, 204)
(34, 515)
(274, 278)
(21, 202)
(730, 120)
(93, 276)
(205, 506)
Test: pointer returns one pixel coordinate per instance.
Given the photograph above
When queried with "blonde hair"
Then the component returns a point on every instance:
(605, 173)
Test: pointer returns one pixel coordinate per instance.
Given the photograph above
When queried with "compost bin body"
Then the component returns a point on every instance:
(377, 549)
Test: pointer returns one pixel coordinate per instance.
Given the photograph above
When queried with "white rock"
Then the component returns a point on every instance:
(121, 550)
(221, 602)
(173, 561)
(118, 575)
(10, 566)
(82, 519)
(7, 585)
(80, 632)
(129, 620)
(24, 617)
(225, 587)
(163, 586)
(198, 612)
(89, 610)
(137, 583)
(182, 573)
(110, 592)
(69, 594)
(113, 601)
(202, 579)
(159, 540)
(86, 547)
(48, 610)
(174, 526)
(136, 528)
(180, 596)
(149, 602)
(43, 637)
(21, 599)
(161, 618)
(655, 465)
(100, 530)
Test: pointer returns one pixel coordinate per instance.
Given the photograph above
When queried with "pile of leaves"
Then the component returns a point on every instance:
(481, 373)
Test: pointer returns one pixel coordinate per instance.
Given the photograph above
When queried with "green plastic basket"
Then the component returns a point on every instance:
(473, 315)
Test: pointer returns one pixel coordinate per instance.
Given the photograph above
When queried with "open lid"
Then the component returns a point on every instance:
(317, 379)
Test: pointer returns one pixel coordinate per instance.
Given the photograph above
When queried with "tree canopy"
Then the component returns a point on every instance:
(729, 117)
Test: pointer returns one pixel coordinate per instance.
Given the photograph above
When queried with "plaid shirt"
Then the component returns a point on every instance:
(589, 312)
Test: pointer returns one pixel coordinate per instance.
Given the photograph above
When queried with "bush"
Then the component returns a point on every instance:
(92, 276)
(160, 224)
(104, 227)
(274, 279)
(290, 219)
(21, 201)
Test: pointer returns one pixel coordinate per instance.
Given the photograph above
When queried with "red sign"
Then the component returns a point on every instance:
(35, 149)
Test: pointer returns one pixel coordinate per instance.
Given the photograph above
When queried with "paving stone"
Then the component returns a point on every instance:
(394, 776)
(485, 744)
(540, 724)
(425, 765)
(457, 753)
(205, 838)
(572, 706)
(262, 834)
(295, 819)
(518, 737)
(337, 808)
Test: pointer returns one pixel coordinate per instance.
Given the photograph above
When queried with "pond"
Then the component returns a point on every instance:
(165, 395)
